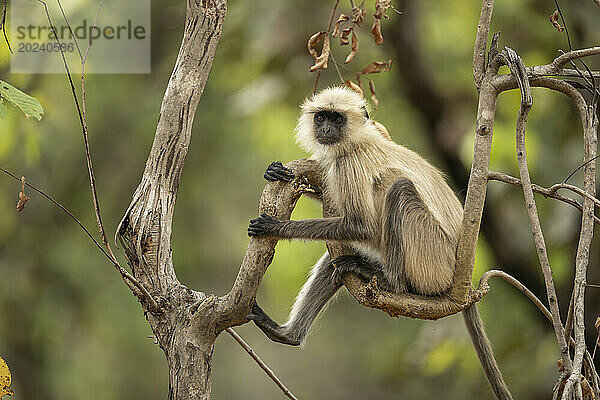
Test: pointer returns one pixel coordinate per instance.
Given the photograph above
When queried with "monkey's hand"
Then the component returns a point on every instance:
(277, 172)
(264, 225)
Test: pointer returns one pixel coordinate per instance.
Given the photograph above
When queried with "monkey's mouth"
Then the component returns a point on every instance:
(328, 139)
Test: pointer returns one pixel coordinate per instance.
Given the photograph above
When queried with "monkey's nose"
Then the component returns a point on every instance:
(326, 129)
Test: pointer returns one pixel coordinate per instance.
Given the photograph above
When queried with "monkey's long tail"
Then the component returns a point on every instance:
(485, 353)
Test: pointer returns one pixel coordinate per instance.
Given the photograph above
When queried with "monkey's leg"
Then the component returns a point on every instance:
(313, 296)
(362, 267)
(417, 255)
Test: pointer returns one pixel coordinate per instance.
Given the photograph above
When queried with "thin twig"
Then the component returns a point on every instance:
(335, 64)
(331, 16)
(575, 189)
(575, 73)
(483, 30)
(498, 176)
(578, 168)
(84, 130)
(484, 286)
(287, 392)
(518, 70)
(3, 24)
(590, 143)
(483, 282)
(569, 320)
(129, 279)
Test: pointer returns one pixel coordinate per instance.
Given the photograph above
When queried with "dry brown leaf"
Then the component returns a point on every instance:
(380, 7)
(344, 40)
(313, 41)
(355, 87)
(554, 20)
(343, 18)
(376, 32)
(561, 365)
(597, 324)
(382, 129)
(5, 380)
(376, 67)
(373, 95)
(354, 48)
(321, 61)
(358, 15)
(23, 198)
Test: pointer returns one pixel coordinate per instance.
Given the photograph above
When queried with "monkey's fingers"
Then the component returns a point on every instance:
(263, 225)
(277, 172)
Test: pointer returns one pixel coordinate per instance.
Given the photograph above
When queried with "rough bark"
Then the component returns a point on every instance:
(185, 335)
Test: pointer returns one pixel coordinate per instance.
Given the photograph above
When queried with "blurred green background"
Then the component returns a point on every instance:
(70, 329)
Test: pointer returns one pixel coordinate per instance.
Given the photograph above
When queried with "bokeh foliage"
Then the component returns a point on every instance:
(69, 328)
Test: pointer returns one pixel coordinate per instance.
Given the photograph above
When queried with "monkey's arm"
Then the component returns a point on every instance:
(336, 228)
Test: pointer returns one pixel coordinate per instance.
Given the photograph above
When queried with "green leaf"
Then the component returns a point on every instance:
(2, 108)
(30, 106)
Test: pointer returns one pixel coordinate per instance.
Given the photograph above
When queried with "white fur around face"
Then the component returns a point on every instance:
(338, 98)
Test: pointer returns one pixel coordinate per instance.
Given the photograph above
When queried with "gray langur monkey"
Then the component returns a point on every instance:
(396, 211)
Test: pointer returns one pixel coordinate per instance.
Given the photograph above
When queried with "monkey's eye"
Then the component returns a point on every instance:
(320, 118)
(339, 120)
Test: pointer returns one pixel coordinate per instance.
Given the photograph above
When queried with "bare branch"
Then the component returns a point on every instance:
(483, 285)
(136, 287)
(483, 30)
(185, 329)
(590, 141)
(287, 392)
(575, 73)
(560, 61)
(517, 68)
(546, 192)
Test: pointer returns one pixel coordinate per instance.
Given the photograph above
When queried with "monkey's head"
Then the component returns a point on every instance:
(332, 119)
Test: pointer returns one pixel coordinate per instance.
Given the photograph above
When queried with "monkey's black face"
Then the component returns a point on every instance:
(329, 126)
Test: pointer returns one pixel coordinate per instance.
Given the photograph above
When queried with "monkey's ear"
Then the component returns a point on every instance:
(366, 112)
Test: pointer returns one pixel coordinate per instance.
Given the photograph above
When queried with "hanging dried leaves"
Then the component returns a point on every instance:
(358, 15)
(320, 60)
(355, 87)
(344, 38)
(376, 32)
(382, 130)
(380, 8)
(354, 48)
(345, 29)
(376, 67)
(314, 41)
(373, 95)
(23, 198)
(343, 18)
(554, 20)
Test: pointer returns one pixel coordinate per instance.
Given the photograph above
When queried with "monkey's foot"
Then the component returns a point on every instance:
(272, 329)
(277, 172)
(360, 267)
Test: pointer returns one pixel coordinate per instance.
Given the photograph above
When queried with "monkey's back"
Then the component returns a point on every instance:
(359, 182)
